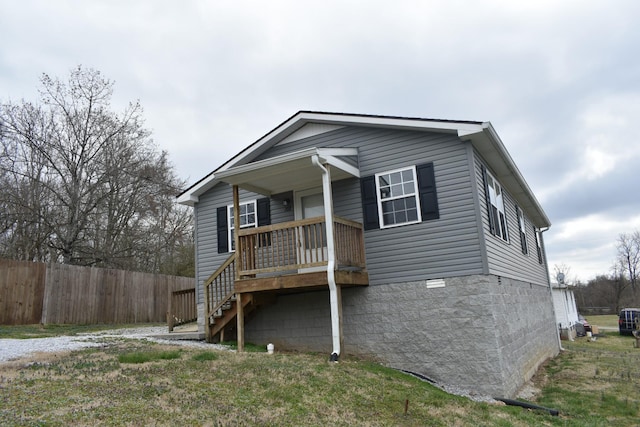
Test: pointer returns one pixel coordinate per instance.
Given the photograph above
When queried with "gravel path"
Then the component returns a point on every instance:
(11, 349)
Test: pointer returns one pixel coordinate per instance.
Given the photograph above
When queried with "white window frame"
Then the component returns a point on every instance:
(523, 231)
(415, 194)
(497, 200)
(231, 225)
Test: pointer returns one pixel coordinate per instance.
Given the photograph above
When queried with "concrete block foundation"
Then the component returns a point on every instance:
(484, 333)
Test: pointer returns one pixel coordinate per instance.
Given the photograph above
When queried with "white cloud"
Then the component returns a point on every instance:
(588, 243)
(557, 79)
(603, 140)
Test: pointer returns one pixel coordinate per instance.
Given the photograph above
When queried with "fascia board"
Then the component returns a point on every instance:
(187, 199)
(191, 196)
(391, 122)
(283, 130)
(289, 157)
(341, 164)
(290, 125)
(261, 164)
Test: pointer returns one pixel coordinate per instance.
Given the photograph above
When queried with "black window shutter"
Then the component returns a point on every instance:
(427, 189)
(492, 218)
(223, 230)
(264, 211)
(369, 202)
(264, 218)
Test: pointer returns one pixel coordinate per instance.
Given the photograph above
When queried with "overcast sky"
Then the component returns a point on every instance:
(559, 80)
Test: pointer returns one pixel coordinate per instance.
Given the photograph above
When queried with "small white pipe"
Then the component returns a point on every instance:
(331, 262)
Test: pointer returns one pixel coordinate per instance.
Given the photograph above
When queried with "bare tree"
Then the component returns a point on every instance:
(605, 290)
(83, 184)
(620, 285)
(628, 247)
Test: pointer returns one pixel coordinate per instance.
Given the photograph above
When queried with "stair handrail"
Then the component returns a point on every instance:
(228, 268)
(224, 301)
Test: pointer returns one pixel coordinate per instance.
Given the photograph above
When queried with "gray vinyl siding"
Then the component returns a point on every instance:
(446, 247)
(346, 199)
(506, 258)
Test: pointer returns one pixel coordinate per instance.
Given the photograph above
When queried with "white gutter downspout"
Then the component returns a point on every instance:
(331, 262)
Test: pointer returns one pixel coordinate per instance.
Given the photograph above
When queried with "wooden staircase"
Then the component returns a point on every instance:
(225, 317)
(220, 300)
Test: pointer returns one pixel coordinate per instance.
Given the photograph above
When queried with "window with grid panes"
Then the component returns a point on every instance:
(247, 218)
(398, 200)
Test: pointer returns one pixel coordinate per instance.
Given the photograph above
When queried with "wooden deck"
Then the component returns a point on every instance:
(298, 245)
(279, 258)
(301, 281)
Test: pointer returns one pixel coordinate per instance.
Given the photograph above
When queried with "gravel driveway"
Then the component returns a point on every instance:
(17, 348)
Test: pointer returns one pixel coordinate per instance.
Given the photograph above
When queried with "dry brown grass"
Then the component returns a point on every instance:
(592, 383)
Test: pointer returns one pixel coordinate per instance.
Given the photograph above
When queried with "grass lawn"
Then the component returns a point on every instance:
(607, 321)
(132, 382)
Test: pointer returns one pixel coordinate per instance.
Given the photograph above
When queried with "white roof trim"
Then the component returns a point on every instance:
(325, 153)
(341, 164)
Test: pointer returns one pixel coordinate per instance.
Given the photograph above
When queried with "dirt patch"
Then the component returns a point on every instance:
(532, 388)
(25, 366)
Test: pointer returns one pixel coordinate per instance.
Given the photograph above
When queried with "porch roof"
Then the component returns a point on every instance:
(292, 171)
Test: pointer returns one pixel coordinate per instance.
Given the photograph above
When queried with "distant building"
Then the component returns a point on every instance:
(564, 304)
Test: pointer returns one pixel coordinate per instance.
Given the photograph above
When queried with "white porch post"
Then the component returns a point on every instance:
(335, 300)
(239, 307)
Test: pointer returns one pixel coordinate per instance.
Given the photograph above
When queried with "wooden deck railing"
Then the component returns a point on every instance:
(219, 290)
(182, 308)
(297, 245)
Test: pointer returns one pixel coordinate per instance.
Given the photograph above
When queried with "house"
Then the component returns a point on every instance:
(564, 304)
(413, 241)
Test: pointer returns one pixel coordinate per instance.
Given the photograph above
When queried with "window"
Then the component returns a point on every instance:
(523, 231)
(495, 206)
(255, 213)
(398, 197)
(538, 245)
(247, 219)
(398, 201)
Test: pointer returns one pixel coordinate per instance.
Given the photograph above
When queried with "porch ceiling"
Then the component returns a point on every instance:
(292, 171)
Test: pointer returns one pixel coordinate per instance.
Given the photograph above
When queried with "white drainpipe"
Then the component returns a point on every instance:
(331, 277)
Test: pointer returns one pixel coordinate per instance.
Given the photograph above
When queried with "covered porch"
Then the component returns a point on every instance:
(315, 251)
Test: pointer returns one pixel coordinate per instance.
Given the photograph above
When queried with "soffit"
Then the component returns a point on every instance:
(293, 171)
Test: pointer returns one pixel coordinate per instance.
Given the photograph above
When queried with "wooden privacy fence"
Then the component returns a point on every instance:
(21, 292)
(68, 294)
(182, 308)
